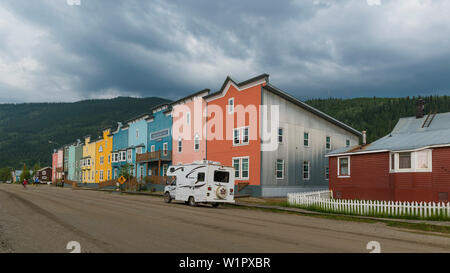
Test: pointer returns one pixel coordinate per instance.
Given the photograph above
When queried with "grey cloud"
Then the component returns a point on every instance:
(158, 48)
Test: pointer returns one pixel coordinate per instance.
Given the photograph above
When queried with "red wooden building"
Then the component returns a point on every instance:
(412, 163)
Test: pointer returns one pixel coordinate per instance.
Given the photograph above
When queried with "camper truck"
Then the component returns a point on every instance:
(200, 182)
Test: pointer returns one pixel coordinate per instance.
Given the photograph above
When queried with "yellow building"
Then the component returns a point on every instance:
(103, 148)
(88, 161)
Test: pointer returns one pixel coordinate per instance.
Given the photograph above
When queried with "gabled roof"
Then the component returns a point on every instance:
(407, 135)
(228, 79)
(286, 96)
(191, 96)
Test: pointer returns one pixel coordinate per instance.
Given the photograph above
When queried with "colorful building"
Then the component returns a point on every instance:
(189, 121)
(54, 165)
(119, 149)
(412, 163)
(137, 143)
(103, 148)
(275, 142)
(88, 161)
(71, 162)
(78, 161)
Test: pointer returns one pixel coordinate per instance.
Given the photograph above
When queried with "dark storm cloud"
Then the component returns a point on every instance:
(318, 48)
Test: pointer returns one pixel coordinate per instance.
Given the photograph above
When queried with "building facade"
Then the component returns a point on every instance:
(45, 174)
(54, 165)
(88, 161)
(412, 163)
(103, 148)
(275, 142)
(78, 161)
(188, 130)
(119, 149)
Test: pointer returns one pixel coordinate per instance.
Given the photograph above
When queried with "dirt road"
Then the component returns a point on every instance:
(45, 219)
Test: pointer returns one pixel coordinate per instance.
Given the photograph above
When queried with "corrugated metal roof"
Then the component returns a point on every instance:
(408, 134)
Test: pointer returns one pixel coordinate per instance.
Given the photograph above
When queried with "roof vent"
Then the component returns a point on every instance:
(419, 108)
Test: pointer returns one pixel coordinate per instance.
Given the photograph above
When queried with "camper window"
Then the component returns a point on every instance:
(221, 176)
(200, 177)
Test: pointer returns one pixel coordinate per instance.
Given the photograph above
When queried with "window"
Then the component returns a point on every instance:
(129, 155)
(231, 105)
(241, 166)
(196, 142)
(165, 148)
(165, 167)
(100, 149)
(280, 169)
(306, 139)
(328, 143)
(109, 174)
(115, 173)
(123, 156)
(102, 160)
(240, 136)
(188, 118)
(44, 172)
(101, 175)
(180, 145)
(404, 160)
(344, 166)
(139, 150)
(152, 148)
(280, 135)
(306, 170)
(200, 177)
(221, 176)
(327, 173)
(422, 160)
(347, 143)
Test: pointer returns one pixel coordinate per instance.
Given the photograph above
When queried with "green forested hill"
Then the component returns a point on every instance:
(377, 115)
(25, 129)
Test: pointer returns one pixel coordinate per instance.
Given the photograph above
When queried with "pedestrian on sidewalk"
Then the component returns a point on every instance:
(25, 182)
(36, 181)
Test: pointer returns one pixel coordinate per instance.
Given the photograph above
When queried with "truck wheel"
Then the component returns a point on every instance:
(215, 205)
(191, 201)
(167, 197)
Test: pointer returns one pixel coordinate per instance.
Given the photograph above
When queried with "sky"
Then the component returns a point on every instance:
(70, 50)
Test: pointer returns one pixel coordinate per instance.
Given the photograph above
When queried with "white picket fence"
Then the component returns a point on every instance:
(315, 200)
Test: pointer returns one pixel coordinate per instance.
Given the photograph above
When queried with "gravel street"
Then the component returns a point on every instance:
(45, 219)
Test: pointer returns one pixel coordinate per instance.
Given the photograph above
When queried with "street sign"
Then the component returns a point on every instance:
(122, 180)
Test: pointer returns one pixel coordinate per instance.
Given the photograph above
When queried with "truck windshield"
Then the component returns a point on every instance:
(221, 176)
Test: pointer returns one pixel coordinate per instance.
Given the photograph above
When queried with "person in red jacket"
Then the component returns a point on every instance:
(25, 182)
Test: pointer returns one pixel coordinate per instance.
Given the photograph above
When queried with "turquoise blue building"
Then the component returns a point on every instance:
(71, 162)
(159, 140)
(137, 142)
(119, 149)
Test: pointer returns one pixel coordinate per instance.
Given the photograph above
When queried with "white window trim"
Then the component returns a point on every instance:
(414, 168)
(230, 107)
(240, 167)
(307, 146)
(180, 145)
(327, 169)
(241, 136)
(309, 171)
(339, 167)
(152, 148)
(282, 169)
(165, 148)
(331, 146)
(197, 138)
(129, 155)
(282, 135)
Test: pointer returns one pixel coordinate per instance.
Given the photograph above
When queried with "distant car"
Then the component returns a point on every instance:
(8, 182)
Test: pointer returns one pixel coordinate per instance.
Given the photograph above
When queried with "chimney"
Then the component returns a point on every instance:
(364, 137)
(419, 108)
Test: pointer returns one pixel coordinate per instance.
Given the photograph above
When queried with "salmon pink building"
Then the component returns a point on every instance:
(275, 142)
(54, 165)
(188, 129)
(412, 163)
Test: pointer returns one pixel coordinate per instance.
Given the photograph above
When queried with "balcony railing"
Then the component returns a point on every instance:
(154, 156)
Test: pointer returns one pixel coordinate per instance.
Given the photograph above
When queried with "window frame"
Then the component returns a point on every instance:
(282, 135)
(306, 139)
(339, 167)
(230, 107)
(180, 145)
(328, 143)
(308, 164)
(282, 169)
(196, 142)
(241, 165)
